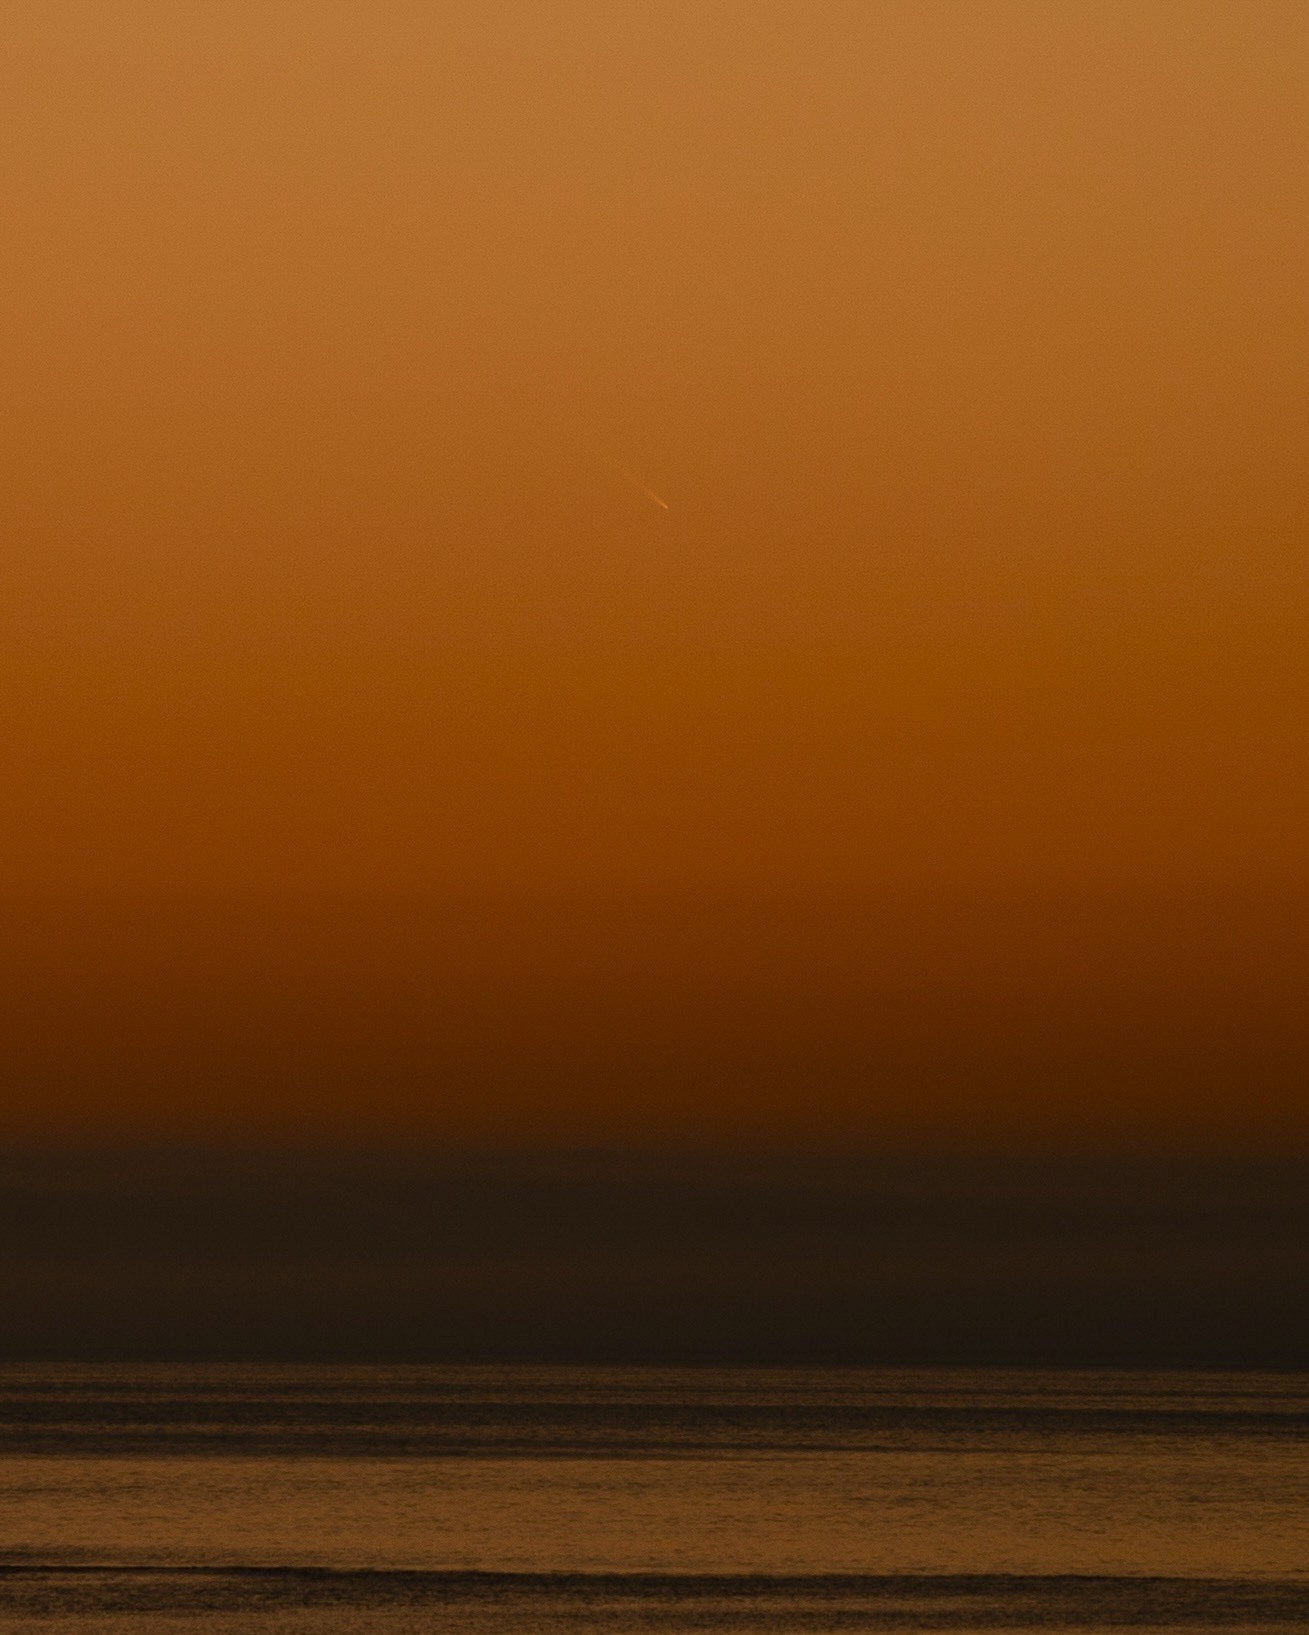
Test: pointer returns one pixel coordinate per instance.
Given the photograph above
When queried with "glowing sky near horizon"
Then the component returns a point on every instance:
(965, 350)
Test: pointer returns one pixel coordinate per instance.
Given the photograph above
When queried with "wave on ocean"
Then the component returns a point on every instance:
(658, 1600)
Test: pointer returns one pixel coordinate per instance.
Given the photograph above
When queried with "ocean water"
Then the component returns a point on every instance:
(382, 1500)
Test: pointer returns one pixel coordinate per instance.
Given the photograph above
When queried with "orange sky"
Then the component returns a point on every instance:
(379, 756)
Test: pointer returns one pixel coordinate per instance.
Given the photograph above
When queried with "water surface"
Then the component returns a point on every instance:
(374, 1499)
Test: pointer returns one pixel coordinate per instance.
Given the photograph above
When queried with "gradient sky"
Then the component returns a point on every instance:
(380, 757)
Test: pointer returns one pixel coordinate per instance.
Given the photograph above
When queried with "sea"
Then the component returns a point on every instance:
(379, 1500)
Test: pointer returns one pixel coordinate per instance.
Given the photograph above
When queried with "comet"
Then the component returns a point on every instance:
(640, 487)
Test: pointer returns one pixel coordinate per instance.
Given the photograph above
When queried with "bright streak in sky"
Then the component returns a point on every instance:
(641, 487)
